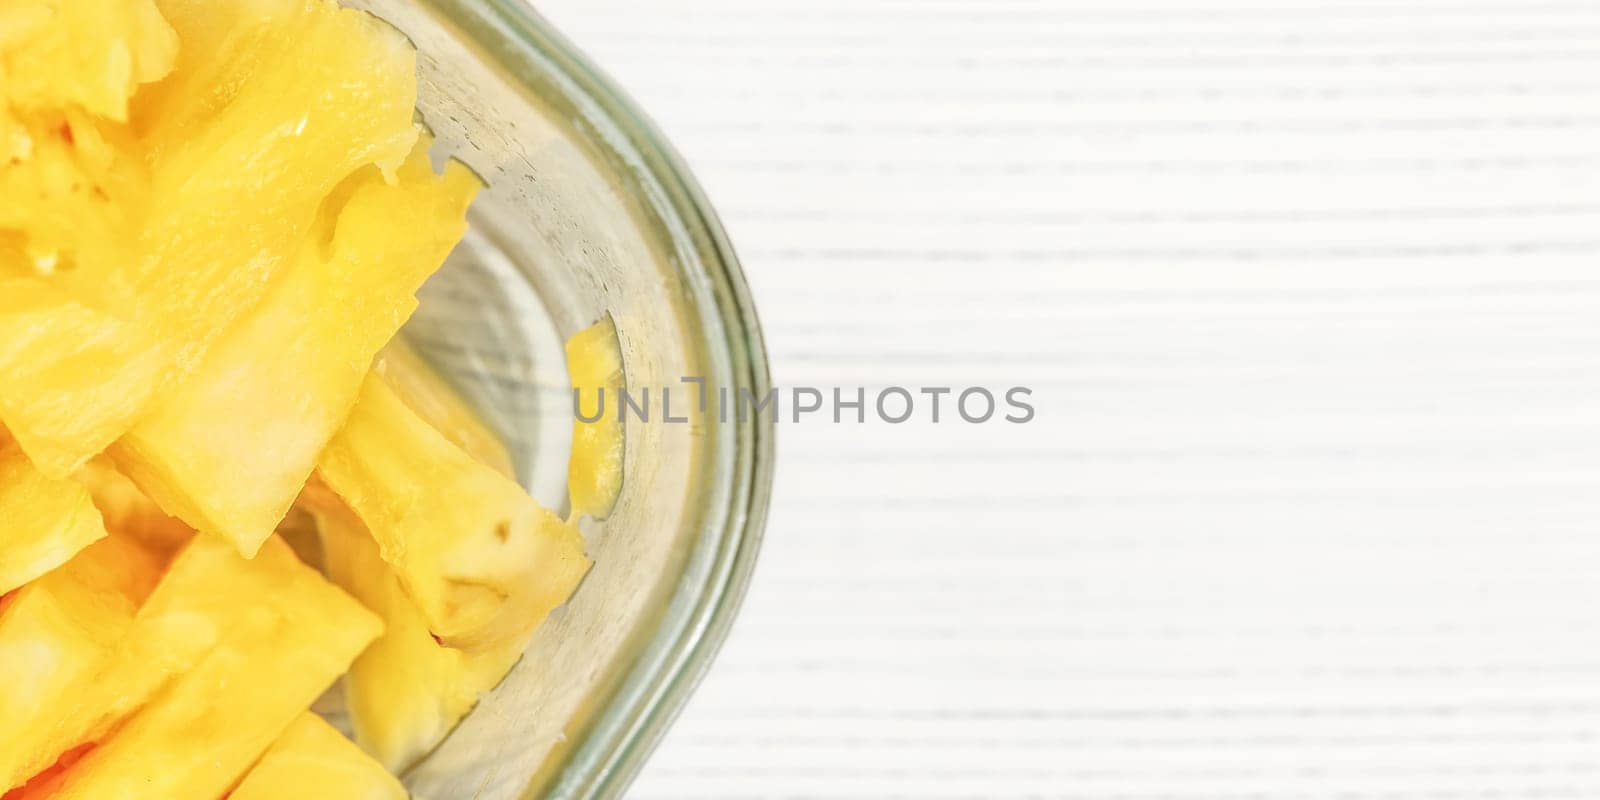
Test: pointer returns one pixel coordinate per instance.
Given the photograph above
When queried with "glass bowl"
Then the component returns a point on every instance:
(587, 213)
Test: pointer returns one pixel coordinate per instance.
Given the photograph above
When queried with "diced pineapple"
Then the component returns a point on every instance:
(56, 634)
(43, 521)
(129, 512)
(334, 92)
(75, 187)
(215, 216)
(201, 598)
(160, 646)
(230, 447)
(67, 70)
(222, 47)
(71, 175)
(465, 541)
(594, 470)
(55, 358)
(91, 54)
(441, 405)
(122, 568)
(312, 761)
(407, 691)
(288, 634)
(238, 167)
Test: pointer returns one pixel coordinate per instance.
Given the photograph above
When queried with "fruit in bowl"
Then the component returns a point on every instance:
(224, 484)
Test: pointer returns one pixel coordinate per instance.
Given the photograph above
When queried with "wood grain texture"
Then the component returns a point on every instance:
(1308, 296)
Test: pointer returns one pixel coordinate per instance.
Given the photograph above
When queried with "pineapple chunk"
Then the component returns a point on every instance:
(91, 54)
(312, 761)
(233, 192)
(288, 635)
(465, 541)
(55, 356)
(203, 595)
(55, 635)
(230, 448)
(594, 470)
(43, 522)
(217, 216)
(407, 691)
(60, 626)
(71, 177)
(75, 187)
(67, 71)
(336, 94)
(437, 402)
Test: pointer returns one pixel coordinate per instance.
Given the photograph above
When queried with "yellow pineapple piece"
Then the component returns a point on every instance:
(233, 192)
(43, 521)
(71, 175)
(594, 470)
(129, 512)
(229, 449)
(67, 71)
(60, 626)
(204, 594)
(441, 405)
(90, 54)
(216, 217)
(56, 634)
(288, 635)
(465, 541)
(55, 356)
(75, 188)
(222, 47)
(336, 91)
(408, 690)
(312, 761)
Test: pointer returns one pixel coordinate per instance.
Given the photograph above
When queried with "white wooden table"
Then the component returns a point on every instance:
(1308, 293)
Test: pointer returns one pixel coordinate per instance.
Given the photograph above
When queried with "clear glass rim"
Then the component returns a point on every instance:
(672, 663)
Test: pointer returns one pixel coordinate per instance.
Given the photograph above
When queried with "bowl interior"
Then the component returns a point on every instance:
(583, 217)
